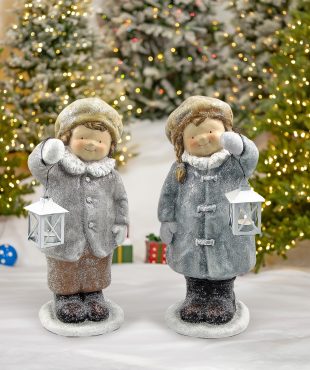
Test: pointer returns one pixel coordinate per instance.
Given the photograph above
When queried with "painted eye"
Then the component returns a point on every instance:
(210, 132)
(193, 137)
(100, 141)
(82, 138)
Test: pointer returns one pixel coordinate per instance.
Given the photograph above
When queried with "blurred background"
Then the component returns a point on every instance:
(144, 58)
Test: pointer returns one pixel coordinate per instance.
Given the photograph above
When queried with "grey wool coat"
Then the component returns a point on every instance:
(203, 245)
(96, 200)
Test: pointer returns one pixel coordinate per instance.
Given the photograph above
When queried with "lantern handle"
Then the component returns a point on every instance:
(45, 196)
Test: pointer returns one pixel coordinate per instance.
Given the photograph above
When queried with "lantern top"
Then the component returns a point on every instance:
(45, 206)
(244, 196)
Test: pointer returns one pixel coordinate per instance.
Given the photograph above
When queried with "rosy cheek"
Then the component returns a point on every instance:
(76, 144)
(193, 143)
(212, 137)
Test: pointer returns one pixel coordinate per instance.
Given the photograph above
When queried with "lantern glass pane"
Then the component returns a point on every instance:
(245, 220)
(33, 227)
(52, 229)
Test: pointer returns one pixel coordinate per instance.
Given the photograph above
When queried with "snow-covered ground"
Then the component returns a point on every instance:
(278, 336)
(143, 178)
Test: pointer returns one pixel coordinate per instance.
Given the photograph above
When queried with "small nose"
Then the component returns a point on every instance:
(90, 145)
(202, 139)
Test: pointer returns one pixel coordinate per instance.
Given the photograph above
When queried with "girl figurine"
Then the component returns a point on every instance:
(194, 212)
(83, 181)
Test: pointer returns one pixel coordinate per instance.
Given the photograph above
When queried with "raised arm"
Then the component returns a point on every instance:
(242, 148)
(51, 151)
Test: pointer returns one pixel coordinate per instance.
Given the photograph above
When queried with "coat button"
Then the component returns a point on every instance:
(91, 225)
(87, 179)
(89, 200)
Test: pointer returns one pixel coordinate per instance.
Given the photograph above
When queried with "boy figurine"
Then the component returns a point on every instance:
(83, 181)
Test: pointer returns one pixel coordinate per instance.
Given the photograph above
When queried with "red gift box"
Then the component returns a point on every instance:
(155, 250)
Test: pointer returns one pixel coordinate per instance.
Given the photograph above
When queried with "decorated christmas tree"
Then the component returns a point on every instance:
(284, 165)
(55, 59)
(12, 186)
(166, 50)
(249, 47)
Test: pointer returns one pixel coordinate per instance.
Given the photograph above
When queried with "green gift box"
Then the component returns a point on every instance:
(123, 253)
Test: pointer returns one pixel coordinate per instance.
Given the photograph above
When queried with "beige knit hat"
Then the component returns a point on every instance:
(88, 110)
(194, 105)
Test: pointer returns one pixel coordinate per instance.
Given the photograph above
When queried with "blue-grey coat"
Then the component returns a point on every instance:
(96, 202)
(201, 212)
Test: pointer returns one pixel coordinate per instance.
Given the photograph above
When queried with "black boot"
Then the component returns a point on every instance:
(70, 308)
(221, 305)
(211, 301)
(96, 306)
(193, 308)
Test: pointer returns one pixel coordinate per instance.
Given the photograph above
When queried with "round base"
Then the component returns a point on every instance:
(86, 328)
(235, 326)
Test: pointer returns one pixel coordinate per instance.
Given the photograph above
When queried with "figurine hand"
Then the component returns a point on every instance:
(232, 142)
(167, 229)
(120, 233)
(53, 151)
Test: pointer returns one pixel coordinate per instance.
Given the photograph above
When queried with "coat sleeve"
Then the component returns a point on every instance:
(168, 196)
(249, 156)
(120, 201)
(36, 166)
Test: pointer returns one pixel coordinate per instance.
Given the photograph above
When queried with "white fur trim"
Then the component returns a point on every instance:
(206, 163)
(74, 165)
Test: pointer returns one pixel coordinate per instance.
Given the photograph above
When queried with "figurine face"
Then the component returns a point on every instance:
(89, 144)
(204, 139)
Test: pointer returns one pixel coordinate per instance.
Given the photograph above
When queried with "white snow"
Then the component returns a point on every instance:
(278, 336)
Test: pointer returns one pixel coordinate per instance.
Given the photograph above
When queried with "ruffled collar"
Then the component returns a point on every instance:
(206, 163)
(74, 165)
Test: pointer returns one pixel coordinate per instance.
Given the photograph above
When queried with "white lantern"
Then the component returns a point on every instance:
(46, 223)
(245, 210)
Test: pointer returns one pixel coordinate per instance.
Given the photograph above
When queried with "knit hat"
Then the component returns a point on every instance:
(194, 105)
(89, 110)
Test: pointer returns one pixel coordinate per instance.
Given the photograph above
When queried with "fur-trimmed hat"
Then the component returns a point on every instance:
(194, 105)
(89, 110)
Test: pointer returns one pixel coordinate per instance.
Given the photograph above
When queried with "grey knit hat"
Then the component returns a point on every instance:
(194, 105)
(89, 110)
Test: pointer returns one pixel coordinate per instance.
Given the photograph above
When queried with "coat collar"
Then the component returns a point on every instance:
(74, 165)
(206, 163)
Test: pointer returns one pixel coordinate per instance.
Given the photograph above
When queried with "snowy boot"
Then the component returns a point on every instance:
(70, 308)
(221, 304)
(96, 306)
(211, 301)
(193, 308)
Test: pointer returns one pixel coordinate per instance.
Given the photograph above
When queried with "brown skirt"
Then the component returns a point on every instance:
(88, 274)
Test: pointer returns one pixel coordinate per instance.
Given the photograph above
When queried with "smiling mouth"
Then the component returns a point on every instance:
(90, 150)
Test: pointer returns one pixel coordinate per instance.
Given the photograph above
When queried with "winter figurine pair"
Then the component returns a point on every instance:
(193, 211)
